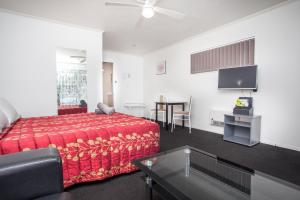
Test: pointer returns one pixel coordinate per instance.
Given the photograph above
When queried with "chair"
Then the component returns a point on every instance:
(33, 175)
(183, 115)
(161, 109)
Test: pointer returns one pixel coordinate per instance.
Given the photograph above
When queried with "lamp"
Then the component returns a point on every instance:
(148, 12)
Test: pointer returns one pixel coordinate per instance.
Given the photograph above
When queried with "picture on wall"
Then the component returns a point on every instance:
(161, 68)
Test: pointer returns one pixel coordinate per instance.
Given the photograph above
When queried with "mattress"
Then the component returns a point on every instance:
(92, 147)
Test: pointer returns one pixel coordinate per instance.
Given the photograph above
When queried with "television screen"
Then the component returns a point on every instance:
(238, 78)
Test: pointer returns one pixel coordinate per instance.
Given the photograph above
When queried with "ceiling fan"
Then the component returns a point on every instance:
(149, 8)
(81, 59)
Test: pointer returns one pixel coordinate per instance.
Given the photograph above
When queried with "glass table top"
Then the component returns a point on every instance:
(189, 173)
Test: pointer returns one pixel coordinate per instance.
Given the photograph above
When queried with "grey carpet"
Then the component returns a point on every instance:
(272, 160)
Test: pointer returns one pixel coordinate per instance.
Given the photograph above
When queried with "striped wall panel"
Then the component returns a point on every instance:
(233, 55)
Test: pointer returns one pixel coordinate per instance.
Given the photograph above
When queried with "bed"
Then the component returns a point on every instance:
(71, 109)
(92, 147)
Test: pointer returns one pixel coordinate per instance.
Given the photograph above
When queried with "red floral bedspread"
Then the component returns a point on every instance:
(68, 109)
(92, 147)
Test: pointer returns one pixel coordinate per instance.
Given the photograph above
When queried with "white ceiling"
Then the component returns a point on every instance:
(118, 23)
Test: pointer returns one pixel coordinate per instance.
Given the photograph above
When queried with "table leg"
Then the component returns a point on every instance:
(148, 188)
(172, 106)
(183, 116)
(167, 116)
(156, 105)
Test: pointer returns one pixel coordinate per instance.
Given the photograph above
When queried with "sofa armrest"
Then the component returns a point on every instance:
(31, 174)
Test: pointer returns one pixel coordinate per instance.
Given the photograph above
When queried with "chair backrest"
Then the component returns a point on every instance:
(162, 98)
(190, 105)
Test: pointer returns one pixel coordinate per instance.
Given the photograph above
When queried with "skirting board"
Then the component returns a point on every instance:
(285, 146)
(264, 141)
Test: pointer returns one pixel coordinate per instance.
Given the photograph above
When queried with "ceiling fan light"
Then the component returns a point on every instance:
(148, 12)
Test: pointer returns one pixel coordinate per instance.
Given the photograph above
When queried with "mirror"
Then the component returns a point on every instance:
(71, 81)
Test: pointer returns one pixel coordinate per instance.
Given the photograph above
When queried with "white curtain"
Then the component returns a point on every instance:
(71, 84)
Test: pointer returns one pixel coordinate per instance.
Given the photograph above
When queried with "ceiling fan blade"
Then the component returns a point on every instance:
(149, 2)
(155, 2)
(170, 13)
(140, 22)
(123, 4)
(77, 56)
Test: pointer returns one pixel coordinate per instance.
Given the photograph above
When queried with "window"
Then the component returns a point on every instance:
(233, 55)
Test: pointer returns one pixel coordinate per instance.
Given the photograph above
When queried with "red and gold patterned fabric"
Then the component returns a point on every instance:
(68, 109)
(92, 147)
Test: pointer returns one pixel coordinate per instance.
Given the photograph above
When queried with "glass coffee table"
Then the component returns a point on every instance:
(187, 173)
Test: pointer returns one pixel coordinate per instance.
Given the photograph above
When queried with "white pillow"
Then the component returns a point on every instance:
(10, 112)
(3, 121)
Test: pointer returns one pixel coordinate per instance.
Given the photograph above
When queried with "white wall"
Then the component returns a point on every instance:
(277, 56)
(28, 63)
(128, 78)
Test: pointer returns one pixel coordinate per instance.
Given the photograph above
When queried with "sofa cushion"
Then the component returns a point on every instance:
(10, 112)
(30, 174)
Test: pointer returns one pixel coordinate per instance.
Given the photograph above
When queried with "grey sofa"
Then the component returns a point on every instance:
(34, 174)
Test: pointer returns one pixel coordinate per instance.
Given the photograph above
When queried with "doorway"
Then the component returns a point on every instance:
(108, 97)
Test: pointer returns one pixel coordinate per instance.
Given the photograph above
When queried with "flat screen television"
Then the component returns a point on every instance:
(238, 78)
